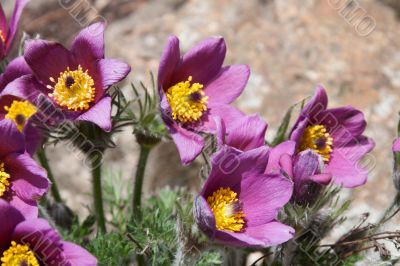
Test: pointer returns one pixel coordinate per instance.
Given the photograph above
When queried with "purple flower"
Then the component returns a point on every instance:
(239, 204)
(34, 242)
(336, 135)
(305, 169)
(8, 30)
(77, 80)
(18, 95)
(248, 133)
(22, 180)
(195, 88)
(396, 145)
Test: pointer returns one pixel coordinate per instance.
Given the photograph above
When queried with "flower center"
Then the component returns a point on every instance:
(4, 180)
(20, 112)
(19, 255)
(227, 210)
(318, 139)
(73, 89)
(187, 101)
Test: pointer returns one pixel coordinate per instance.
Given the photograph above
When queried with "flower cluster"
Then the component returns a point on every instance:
(256, 194)
(251, 181)
(45, 78)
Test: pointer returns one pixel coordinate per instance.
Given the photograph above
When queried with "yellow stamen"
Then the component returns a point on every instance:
(18, 255)
(187, 101)
(2, 37)
(318, 139)
(4, 180)
(74, 89)
(227, 210)
(20, 112)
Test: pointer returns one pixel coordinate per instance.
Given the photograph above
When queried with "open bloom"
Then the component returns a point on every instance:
(336, 135)
(22, 180)
(18, 95)
(9, 29)
(77, 80)
(239, 204)
(305, 170)
(194, 88)
(33, 242)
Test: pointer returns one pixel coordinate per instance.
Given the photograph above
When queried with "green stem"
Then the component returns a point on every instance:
(97, 192)
(141, 167)
(45, 163)
(389, 211)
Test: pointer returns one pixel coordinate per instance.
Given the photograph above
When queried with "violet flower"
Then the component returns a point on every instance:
(22, 180)
(33, 242)
(18, 96)
(239, 204)
(336, 135)
(248, 133)
(195, 88)
(305, 170)
(9, 29)
(77, 80)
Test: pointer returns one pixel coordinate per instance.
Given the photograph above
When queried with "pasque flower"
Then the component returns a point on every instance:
(305, 170)
(18, 95)
(194, 88)
(336, 135)
(248, 133)
(22, 180)
(9, 29)
(33, 242)
(239, 204)
(77, 80)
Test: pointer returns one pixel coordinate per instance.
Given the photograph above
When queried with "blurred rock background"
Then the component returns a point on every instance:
(351, 47)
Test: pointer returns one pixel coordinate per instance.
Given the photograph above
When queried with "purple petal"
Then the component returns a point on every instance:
(29, 180)
(168, 62)
(229, 113)
(220, 131)
(262, 236)
(112, 71)
(203, 62)
(286, 165)
(33, 137)
(99, 114)
(10, 218)
(248, 133)
(77, 256)
(287, 147)
(11, 139)
(310, 113)
(47, 59)
(25, 87)
(189, 143)
(204, 216)
(229, 165)
(343, 123)
(306, 164)
(15, 69)
(344, 163)
(18, 8)
(271, 234)
(88, 45)
(28, 209)
(396, 145)
(42, 239)
(262, 196)
(228, 85)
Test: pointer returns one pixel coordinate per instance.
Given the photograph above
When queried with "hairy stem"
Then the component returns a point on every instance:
(141, 167)
(97, 192)
(45, 163)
